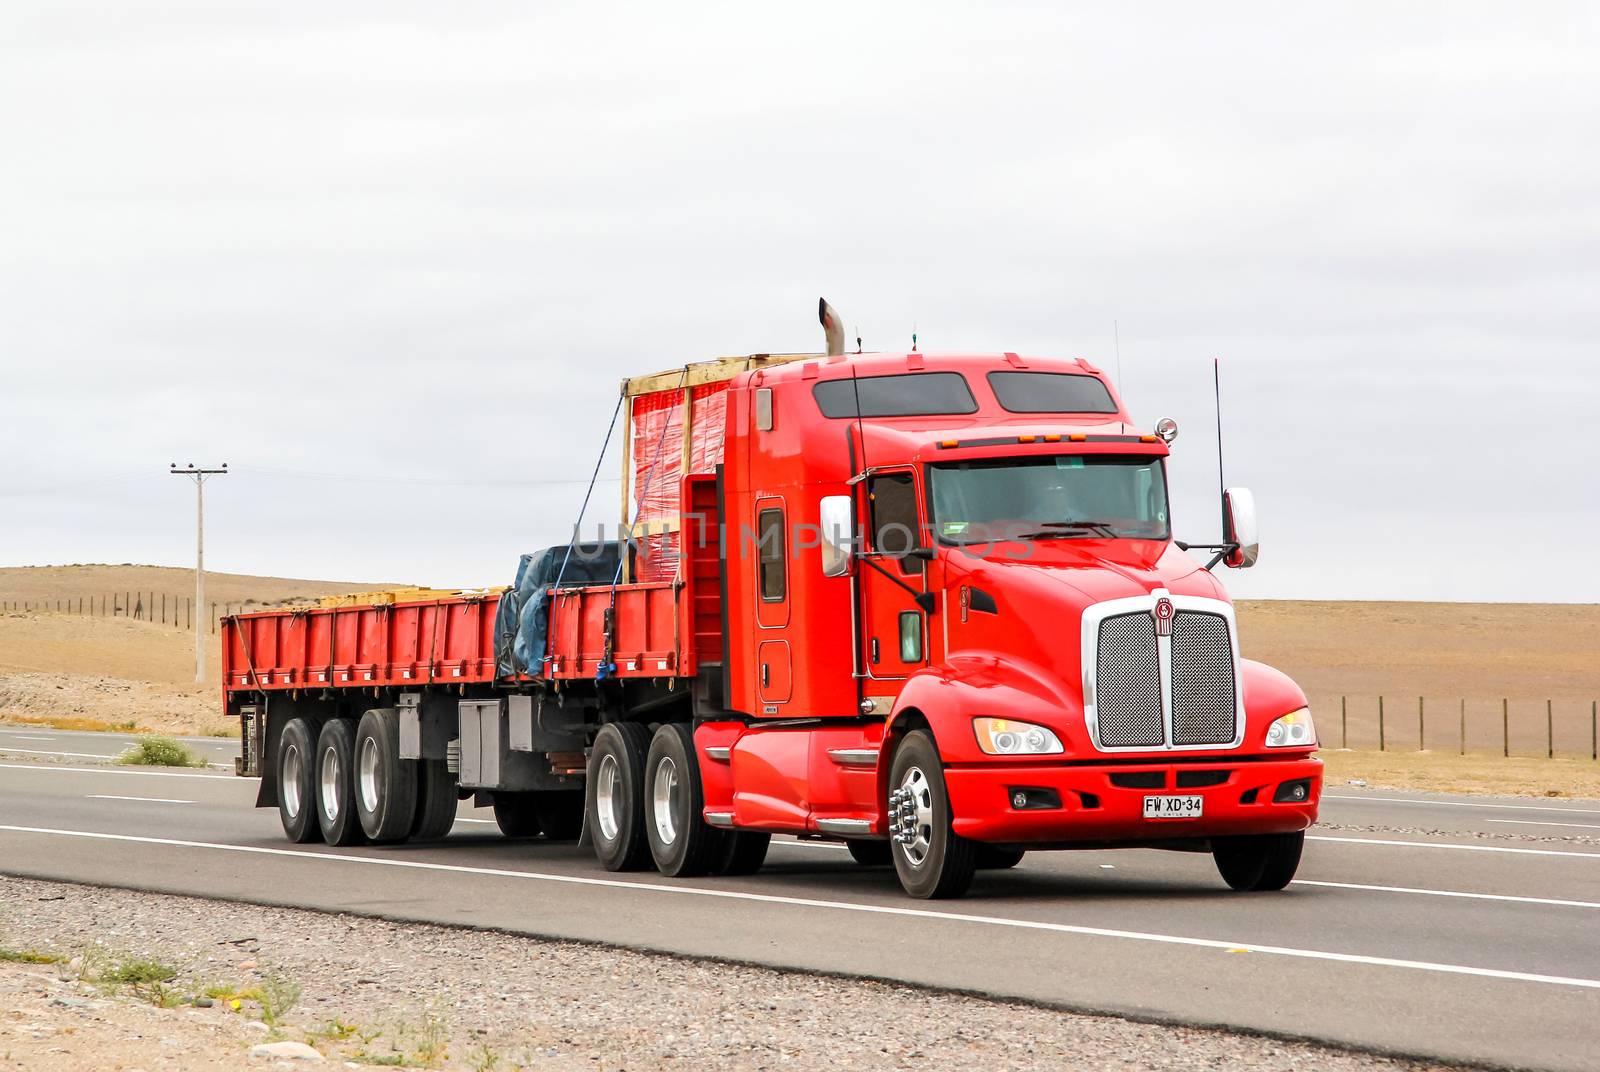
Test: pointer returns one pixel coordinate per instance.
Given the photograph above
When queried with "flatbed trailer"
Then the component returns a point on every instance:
(927, 605)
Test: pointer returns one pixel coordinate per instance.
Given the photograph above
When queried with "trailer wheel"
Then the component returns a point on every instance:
(614, 797)
(997, 857)
(386, 785)
(336, 784)
(1258, 861)
(932, 860)
(516, 814)
(681, 841)
(436, 801)
(742, 853)
(297, 782)
(869, 853)
(560, 813)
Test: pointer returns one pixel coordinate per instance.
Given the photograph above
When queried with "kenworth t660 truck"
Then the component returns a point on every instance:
(927, 604)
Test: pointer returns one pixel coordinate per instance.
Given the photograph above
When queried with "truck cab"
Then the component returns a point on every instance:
(959, 626)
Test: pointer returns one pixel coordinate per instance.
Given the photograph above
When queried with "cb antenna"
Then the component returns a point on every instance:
(1216, 387)
(1116, 334)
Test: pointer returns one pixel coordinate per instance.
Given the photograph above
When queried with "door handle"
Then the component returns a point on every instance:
(766, 675)
(874, 651)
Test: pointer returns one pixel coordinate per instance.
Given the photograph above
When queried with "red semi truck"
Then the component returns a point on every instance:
(928, 605)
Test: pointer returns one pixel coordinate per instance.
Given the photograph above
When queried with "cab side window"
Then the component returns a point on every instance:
(894, 519)
(770, 534)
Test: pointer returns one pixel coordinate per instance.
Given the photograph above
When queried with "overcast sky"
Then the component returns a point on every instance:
(389, 260)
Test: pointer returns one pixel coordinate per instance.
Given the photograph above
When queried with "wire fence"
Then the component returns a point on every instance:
(1508, 725)
(157, 608)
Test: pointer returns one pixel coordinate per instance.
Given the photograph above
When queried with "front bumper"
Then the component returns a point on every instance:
(1105, 803)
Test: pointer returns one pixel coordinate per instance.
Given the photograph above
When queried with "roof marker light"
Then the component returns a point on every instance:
(1026, 438)
(947, 444)
(1053, 438)
(1149, 439)
(1077, 437)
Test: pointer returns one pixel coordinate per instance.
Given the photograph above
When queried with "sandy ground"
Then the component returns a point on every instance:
(1441, 772)
(40, 583)
(373, 992)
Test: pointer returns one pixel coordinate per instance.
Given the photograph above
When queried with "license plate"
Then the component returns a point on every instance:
(1170, 807)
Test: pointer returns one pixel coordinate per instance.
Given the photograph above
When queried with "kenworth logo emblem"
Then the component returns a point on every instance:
(1163, 614)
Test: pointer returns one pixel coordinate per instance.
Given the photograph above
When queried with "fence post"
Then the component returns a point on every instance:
(1422, 735)
(1594, 738)
(213, 618)
(1505, 727)
(1549, 729)
(1344, 723)
(1463, 725)
(1380, 724)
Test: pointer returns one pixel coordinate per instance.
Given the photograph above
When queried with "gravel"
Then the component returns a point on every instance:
(376, 992)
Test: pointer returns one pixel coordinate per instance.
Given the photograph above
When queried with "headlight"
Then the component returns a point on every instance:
(1004, 737)
(1294, 730)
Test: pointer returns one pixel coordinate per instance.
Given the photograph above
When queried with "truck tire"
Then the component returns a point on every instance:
(386, 785)
(336, 784)
(560, 813)
(742, 852)
(436, 801)
(1258, 861)
(516, 814)
(932, 860)
(997, 857)
(681, 842)
(614, 797)
(869, 853)
(297, 782)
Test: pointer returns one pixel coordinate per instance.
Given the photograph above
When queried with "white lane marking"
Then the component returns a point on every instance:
(843, 906)
(119, 770)
(1452, 845)
(1531, 822)
(1466, 804)
(77, 755)
(489, 822)
(1450, 893)
(147, 800)
(25, 737)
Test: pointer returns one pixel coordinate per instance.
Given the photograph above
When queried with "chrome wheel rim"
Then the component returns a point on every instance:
(369, 774)
(916, 788)
(330, 784)
(664, 797)
(608, 797)
(289, 780)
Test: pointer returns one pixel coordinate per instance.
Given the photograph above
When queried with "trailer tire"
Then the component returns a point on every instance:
(297, 782)
(869, 853)
(336, 784)
(1258, 862)
(386, 785)
(614, 797)
(998, 857)
(938, 863)
(560, 813)
(436, 801)
(682, 843)
(742, 853)
(517, 815)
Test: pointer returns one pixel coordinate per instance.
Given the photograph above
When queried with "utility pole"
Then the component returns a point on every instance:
(199, 478)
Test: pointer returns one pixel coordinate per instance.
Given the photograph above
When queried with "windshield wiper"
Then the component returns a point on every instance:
(1098, 527)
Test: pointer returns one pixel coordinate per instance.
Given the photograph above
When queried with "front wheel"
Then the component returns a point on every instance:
(1258, 862)
(932, 860)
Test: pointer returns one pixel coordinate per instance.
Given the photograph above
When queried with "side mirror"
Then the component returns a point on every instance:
(837, 522)
(1239, 527)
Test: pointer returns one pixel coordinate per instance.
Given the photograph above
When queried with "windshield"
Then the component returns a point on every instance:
(1050, 498)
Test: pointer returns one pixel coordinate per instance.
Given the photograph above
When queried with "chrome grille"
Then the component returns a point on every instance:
(1203, 697)
(1128, 683)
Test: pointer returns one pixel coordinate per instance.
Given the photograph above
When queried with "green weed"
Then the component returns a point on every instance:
(155, 751)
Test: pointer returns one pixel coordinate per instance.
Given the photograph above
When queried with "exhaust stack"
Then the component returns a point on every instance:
(832, 327)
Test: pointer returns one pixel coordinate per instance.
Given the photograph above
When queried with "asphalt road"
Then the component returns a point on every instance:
(1460, 928)
(61, 745)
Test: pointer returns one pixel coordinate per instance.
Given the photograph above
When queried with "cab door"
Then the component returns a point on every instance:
(894, 629)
